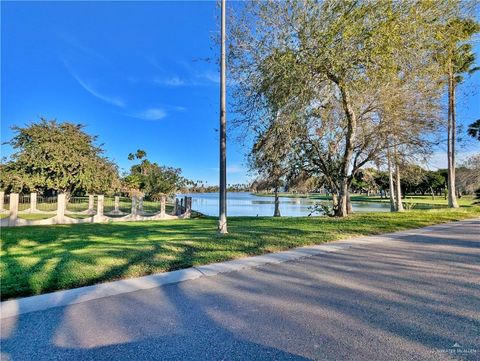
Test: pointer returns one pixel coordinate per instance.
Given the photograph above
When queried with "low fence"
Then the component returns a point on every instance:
(25, 210)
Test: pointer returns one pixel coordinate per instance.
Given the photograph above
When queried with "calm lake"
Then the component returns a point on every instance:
(246, 204)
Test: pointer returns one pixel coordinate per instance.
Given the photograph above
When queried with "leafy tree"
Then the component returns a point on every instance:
(269, 156)
(152, 179)
(303, 182)
(329, 63)
(139, 154)
(474, 129)
(433, 181)
(365, 181)
(62, 157)
(469, 175)
(477, 196)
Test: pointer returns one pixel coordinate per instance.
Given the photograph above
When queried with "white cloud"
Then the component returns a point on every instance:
(210, 76)
(151, 114)
(234, 168)
(204, 78)
(173, 81)
(109, 99)
(117, 101)
(85, 50)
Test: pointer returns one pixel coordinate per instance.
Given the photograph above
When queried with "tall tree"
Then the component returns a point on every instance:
(61, 157)
(330, 61)
(457, 58)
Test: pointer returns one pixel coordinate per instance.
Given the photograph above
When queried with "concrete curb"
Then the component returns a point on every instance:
(83, 294)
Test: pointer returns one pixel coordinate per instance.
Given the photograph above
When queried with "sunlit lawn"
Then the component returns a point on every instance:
(39, 259)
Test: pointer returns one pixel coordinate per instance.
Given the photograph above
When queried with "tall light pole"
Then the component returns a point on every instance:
(222, 217)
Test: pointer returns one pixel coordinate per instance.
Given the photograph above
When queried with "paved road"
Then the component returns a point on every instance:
(408, 296)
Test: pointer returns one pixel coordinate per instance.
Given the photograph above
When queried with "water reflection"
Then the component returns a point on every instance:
(246, 204)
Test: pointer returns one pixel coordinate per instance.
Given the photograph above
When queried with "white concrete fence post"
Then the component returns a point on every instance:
(100, 204)
(61, 208)
(117, 205)
(12, 220)
(91, 200)
(33, 202)
(163, 201)
(2, 201)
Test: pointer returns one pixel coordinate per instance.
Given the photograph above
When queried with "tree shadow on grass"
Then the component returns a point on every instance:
(87, 255)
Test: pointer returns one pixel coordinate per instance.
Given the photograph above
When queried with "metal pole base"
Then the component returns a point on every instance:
(222, 225)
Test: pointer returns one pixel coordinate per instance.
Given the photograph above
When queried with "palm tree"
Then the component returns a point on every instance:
(459, 60)
(474, 129)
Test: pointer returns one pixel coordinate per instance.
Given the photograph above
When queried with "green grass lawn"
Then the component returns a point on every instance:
(39, 259)
(419, 200)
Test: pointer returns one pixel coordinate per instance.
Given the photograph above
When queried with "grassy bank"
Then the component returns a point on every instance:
(420, 200)
(39, 259)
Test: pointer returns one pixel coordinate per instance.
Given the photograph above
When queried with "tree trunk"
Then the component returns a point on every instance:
(391, 191)
(433, 193)
(334, 201)
(349, 204)
(351, 133)
(452, 199)
(342, 209)
(276, 213)
(398, 184)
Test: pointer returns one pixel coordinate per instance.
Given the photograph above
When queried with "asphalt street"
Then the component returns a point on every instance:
(407, 296)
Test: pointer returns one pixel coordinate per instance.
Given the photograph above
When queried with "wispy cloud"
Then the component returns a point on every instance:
(190, 75)
(151, 114)
(173, 81)
(109, 99)
(209, 76)
(117, 101)
(234, 168)
(75, 44)
(199, 79)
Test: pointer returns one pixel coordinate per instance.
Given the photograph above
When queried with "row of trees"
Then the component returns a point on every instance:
(51, 157)
(374, 181)
(329, 88)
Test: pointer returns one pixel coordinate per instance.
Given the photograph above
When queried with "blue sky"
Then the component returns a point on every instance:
(137, 74)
